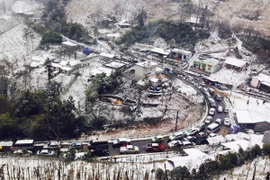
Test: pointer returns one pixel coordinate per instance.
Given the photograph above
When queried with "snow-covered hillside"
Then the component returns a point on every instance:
(232, 11)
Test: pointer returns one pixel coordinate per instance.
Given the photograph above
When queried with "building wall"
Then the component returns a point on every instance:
(179, 56)
(255, 82)
(216, 68)
(139, 72)
(261, 127)
(266, 137)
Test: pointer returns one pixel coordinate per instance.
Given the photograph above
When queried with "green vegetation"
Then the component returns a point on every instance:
(215, 167)
(54, 24)
(177, 173)
(102, 84)
(51, 37)
(231, 160)
(256, 44)
(182, 33)
(39, 115)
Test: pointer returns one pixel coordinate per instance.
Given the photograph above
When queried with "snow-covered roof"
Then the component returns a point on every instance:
(115, 65)
(37, 61)
(250, 116)
(101, 70)
(34, 64)
(142, 47)
(107, 55)
(210, 61)
(181, 51)
(39, 58)
(56, 65)
(70, 44)
(141, 82)
(235, 62)
(264, 79)
(63, 63)
(25, 141)
(73, 63)
(216, 140)
(238, 136)
(154, 79)
(146, 64)
(195, 157)
(160, 51)
(159, 70)
(124, 23)
(235, 145)
(6, 143)
(66, 68)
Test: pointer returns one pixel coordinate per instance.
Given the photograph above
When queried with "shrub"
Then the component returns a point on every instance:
(160, 174)
(51, 37)
(266, 149)
(225, 163)
(256, 151)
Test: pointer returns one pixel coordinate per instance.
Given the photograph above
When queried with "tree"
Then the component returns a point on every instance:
(211, 166)
(233, 158)
(71, 155)
(160, 174)
(7, 125)
(142, 17)
(51, 37)
(4, 104)
(256, 151)
(224, 30)
(266, 149)
(54, 89)
(4, 85)
(225, 163)
(179, 173)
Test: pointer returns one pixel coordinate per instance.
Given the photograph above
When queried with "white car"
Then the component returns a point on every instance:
(208, 120)
(220, 109)
(174, 143)
(218, 121)
(227, 122)
(129, 149)
(121, 142)
(212, 111)
(212, 135)
(226, 110)
(176, 136)
(157, 139)
(187, 143)
(20, 152)
(199, 126)
(191, 132)
(48, 152)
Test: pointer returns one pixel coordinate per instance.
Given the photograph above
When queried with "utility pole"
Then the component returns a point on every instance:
(176, 120)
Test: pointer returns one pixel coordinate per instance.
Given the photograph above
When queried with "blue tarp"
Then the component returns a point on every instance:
(235, 129)
(86, 51)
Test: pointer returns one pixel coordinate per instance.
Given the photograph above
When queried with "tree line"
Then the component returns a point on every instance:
(179, 32)
(39, 115)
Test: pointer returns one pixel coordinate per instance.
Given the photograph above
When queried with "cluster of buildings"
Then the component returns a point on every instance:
(211, 65)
